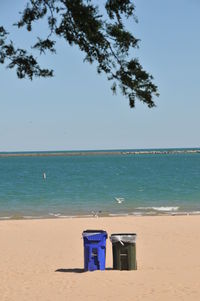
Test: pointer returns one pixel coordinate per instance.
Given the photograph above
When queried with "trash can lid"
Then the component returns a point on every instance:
(87, 233)
(123, 237)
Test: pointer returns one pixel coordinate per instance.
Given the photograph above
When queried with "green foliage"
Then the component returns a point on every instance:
(102, 37)
(26, 65)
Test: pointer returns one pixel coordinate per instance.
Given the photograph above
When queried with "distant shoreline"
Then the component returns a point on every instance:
(97, 153)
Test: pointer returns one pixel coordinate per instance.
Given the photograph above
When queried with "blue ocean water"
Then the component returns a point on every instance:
(108, 184)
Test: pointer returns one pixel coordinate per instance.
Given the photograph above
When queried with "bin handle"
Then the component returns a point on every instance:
(121, 242)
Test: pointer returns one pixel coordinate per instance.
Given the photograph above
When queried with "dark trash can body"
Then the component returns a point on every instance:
(124, 251)
(94, 249)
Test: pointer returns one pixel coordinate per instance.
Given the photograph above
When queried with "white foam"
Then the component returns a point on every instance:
(55, 214)
(194, 212)
(162, 208)
(67, 216)
(137, 213)
(166, 208)
(32, 217)
(118, 214)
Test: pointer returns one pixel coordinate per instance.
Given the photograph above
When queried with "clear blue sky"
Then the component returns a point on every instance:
(76, 109)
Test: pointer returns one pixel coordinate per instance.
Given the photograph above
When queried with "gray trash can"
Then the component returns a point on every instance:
(124, 251)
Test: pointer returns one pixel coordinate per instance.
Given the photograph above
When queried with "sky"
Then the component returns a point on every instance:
(76, 110)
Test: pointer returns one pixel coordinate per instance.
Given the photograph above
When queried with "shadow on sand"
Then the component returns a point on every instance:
(76, 270)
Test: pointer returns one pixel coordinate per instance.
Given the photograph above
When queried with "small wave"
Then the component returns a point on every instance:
(5, 217)
(162, 208)
(55, 214)
(33, 217)
(194, 213)
(118, 214)
(67, 216)
(137, 213)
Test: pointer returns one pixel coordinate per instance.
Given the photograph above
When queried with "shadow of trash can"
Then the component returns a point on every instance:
(124, 251)
(94, 249)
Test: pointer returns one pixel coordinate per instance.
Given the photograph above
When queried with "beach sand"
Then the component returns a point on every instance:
(43, 260)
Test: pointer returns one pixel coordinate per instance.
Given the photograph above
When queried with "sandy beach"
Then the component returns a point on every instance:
(43, 260)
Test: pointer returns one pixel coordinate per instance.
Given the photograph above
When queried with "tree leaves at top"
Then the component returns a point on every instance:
(102, 37)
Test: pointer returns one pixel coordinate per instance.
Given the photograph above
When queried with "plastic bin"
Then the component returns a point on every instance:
(124, 251)
(94, 249)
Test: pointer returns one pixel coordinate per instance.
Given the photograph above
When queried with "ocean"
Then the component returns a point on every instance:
(99, 184)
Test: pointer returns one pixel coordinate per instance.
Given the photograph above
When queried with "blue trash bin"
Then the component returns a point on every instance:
(94, 249)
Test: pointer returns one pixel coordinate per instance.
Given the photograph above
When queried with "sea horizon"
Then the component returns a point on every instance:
(110, 150)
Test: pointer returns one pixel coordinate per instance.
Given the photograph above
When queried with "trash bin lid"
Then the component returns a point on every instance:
(88, 233)
(123, 237)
